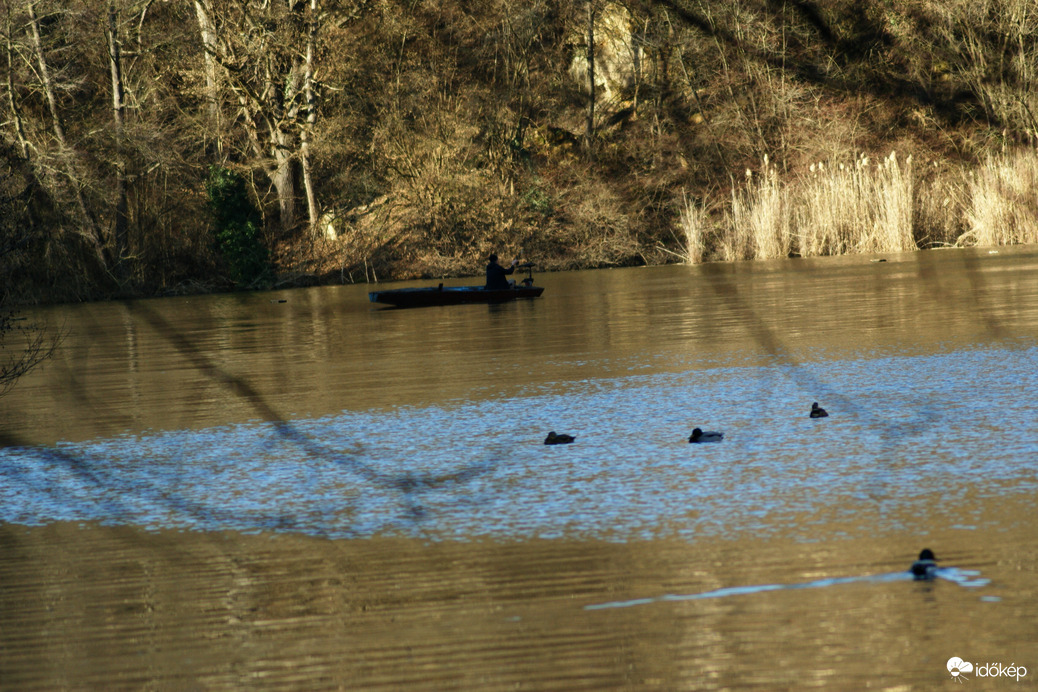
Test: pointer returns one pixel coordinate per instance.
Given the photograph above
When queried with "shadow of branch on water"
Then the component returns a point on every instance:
(93, 471)
(345, 469)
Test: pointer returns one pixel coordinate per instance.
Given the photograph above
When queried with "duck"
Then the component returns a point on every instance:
(699, 435)
(925, 567)
(554, 439)
(818, 412)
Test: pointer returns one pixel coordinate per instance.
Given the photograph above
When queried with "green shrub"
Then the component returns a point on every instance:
(237, 228)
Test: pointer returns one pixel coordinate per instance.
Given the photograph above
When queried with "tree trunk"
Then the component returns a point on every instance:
(209, 45)
(41, 61)
(283, 177)
(311, 118)
(272, 81)
(12, 102)
(116, 69)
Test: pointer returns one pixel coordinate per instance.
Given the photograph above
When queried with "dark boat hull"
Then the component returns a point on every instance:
(451, 295)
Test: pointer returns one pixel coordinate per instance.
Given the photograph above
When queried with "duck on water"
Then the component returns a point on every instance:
(818, 412)
(925, 568)
(699, 435)
(555, 439)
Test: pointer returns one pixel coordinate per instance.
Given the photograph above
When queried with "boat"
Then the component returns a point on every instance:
(458, 295)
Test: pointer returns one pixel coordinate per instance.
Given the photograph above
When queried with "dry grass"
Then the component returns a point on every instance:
(941, 201)
(893, 185)
(862, 207)
(826, 210)
(760, 217)
(596, 224)
(693, 225)
(832, 209)
(1002, 207)
(873, 207)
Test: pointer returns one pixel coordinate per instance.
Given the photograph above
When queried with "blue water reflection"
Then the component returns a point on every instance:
(901, 429)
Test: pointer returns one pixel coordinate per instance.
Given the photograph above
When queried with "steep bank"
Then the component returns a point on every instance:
(400, 140)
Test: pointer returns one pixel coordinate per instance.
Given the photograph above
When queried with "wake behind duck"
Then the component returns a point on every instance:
(970, 579)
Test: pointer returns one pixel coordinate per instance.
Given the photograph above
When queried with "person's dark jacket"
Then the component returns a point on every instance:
(496, 276)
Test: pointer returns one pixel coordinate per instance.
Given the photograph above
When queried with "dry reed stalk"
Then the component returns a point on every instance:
(734, 242)
(1002, 208)
(824, 202)
(859, 208)
(892, 192)
(692, 223)
(759, 225)
(941, 204)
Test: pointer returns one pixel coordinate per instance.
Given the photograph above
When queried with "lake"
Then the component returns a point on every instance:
(304, 490)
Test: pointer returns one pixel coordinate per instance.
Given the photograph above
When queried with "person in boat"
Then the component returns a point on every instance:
(496, 274)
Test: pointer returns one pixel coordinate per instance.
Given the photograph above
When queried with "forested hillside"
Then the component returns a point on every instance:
(152, 147)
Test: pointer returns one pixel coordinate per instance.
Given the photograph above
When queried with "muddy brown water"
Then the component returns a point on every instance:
(232, 492)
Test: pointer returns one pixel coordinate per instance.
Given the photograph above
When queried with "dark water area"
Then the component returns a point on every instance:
(222, 492)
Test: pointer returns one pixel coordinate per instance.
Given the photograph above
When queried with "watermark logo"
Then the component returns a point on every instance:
(958, 668)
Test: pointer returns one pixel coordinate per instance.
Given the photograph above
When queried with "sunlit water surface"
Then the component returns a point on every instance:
(303, 490)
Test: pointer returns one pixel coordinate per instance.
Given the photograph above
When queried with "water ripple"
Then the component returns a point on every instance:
(901, 429)
(964, 578)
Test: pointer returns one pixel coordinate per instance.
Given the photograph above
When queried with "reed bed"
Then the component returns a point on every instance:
(760, 219)
(867, 207)
(863, 207)
(1003, 207)
(693, 226)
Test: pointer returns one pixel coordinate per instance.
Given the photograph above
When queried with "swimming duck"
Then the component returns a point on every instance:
(818, 412)
(925, 567)
(705, 436)
(553, 439)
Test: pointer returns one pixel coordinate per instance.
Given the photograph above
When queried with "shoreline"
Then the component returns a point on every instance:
(296, 279)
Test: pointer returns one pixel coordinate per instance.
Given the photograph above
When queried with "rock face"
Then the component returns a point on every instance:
(617, 55)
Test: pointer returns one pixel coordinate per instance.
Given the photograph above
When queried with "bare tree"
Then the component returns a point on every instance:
(66, 155)
(310, 104)
(267, 53)
(115, 64)
(212, 98)
(17, 120)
